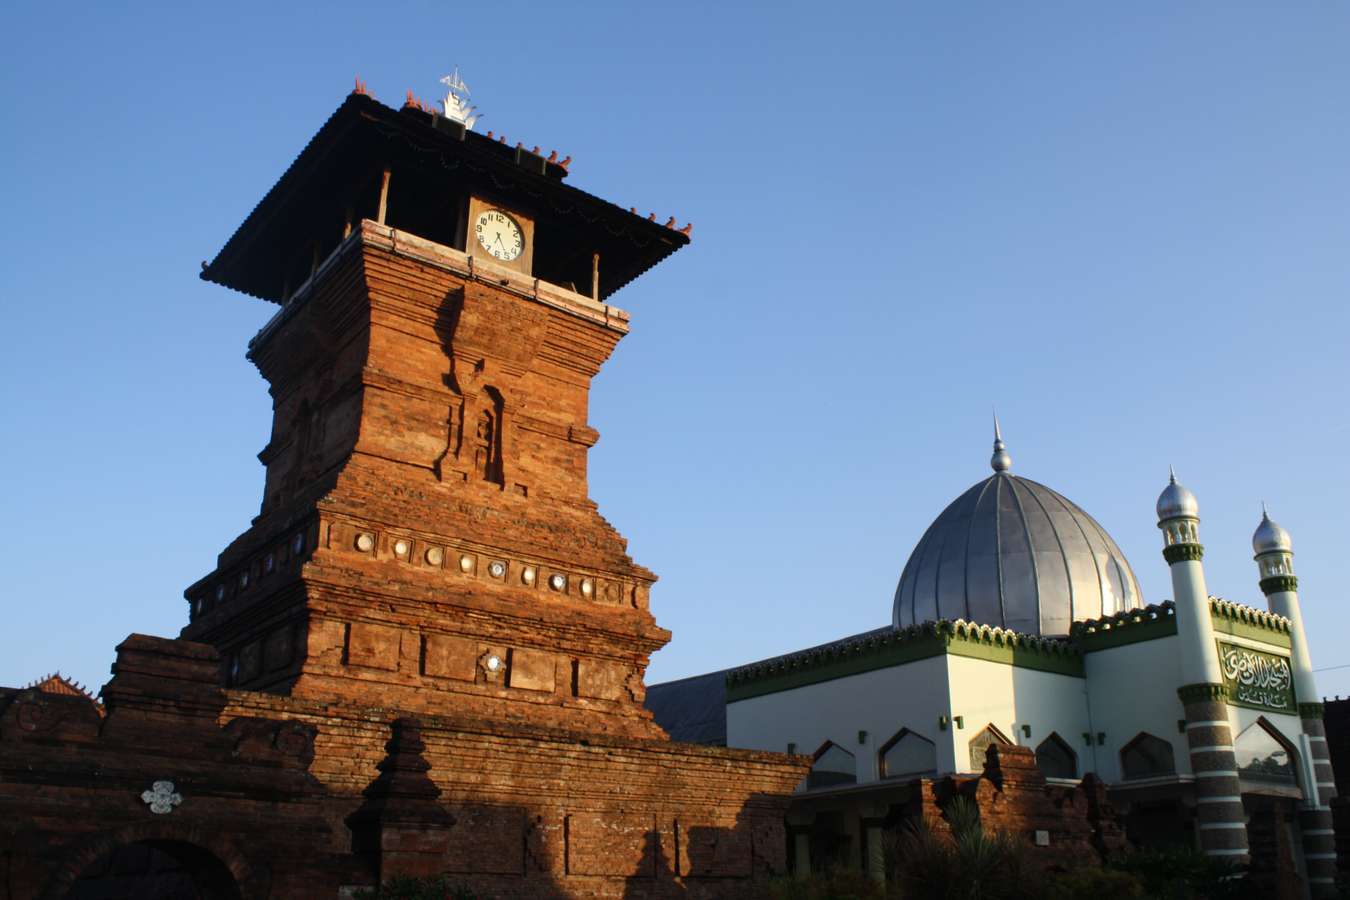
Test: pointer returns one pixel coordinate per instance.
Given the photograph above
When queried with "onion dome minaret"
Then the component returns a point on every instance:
(1274, 555)
(1209, 735)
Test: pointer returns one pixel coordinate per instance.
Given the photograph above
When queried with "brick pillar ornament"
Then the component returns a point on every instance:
(1221, 821)
(1273, 551)
(402, 824)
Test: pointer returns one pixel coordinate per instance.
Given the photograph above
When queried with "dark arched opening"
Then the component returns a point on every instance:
(155, 870)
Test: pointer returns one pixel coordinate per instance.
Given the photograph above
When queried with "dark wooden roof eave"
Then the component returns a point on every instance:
(230, 267)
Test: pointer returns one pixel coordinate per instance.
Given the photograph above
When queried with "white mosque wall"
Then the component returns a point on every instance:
(1131, 689)
(880, 702)
(1009, 697)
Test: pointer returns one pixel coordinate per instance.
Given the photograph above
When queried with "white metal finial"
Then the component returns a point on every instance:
(456, 104)
(1001, 461)
(1171, 474)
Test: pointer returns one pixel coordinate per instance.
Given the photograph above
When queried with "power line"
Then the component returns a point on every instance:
(1329, 668)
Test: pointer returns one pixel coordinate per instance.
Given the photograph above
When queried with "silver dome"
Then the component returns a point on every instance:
(1013, 553)
(1177, 502)
(1270, 537)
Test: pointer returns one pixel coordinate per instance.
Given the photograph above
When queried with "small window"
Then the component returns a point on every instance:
(907, 755)
(1263, 756)
(834, 765)
(1147, 757)
(1056, 759)
(980, 743)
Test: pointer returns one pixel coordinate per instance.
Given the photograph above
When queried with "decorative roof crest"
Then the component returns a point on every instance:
(456, 104)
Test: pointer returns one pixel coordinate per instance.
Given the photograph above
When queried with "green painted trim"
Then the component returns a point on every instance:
(1276, 584)
(743, 684)
(925, 641)
(1069, 662)
(1133, 627)
(1311, 710)
(1202, 693)
(1252, 624)
(1183, 553)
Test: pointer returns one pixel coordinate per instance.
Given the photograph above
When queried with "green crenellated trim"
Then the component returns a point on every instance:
(1202, 693)
(1276, 584)
(813, 667)
(1013, 649)
(1183, 553)
(1250, 623)
(1130, 627)
(883, 650)
(1311, 710)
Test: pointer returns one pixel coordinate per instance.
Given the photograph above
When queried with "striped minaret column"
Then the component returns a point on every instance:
(1221, 822)
(1275, 562)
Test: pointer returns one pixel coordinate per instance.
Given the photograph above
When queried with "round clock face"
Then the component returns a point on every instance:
(499, 234)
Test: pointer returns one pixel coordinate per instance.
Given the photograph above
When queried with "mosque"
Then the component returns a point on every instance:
(1018, 622)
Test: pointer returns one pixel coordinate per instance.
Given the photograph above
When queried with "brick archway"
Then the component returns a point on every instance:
(198, 850)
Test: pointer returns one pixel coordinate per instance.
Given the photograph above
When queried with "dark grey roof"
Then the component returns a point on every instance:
(1013, 553)
(692, 710)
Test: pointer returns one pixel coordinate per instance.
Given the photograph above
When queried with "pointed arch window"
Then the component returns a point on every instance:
(980, 743)
(833, 766)
(908, 755)
(1147, 756)
(1264, 755)
(1056, 759)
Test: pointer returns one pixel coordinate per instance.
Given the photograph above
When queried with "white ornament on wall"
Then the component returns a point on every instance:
(161, 797)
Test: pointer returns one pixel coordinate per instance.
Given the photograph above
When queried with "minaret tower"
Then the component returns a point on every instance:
(1209, 735)
(426, 540)
(1274, 555)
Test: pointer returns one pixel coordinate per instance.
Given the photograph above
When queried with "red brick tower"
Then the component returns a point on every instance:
(426, 540)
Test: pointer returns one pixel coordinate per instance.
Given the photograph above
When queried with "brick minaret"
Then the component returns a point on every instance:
(426, 538)
(1221, 821)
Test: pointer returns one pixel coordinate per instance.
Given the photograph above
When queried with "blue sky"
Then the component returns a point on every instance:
(1123, 224)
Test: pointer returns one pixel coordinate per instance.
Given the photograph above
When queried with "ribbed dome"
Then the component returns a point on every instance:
(1013, 553)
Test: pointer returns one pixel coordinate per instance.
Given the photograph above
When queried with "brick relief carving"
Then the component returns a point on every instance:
(601, 679)
(447, 656)
(375, 646)
(532, 670)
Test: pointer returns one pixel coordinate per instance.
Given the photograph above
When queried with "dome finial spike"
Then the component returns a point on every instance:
(1264, 514)
(1171, 474)
(1000, 461)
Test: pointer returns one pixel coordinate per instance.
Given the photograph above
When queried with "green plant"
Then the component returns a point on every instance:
(1182, 873)
(833, 885)
(967, 864)
(405, 888)
(1093, 883)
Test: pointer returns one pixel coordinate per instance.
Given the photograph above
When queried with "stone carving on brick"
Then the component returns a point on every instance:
(272, 741)
(532, 670)
(448, 656)
(446, 466)
(492, 666)
(35, 713)
(161, 798)
(636, 688)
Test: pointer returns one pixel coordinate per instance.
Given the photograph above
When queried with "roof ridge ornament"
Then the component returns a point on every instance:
(1001, 461)
(456, 104)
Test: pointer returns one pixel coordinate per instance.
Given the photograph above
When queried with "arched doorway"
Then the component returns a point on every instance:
(155, 870)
